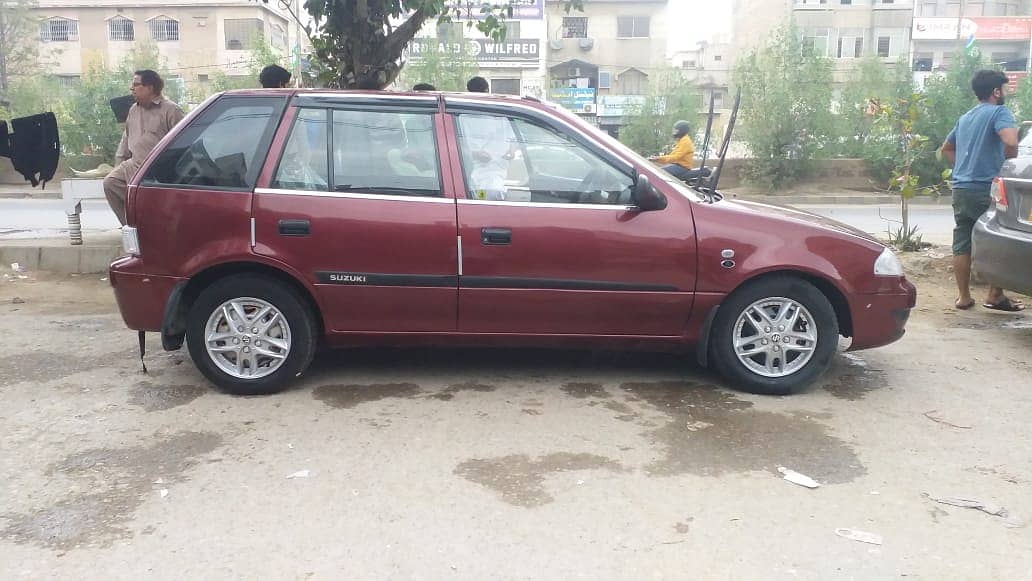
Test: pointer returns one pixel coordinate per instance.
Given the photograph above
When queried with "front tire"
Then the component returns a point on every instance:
(250, 334)
(775, 336)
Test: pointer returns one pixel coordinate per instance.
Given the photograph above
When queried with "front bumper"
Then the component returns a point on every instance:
(1002, 255)
(141, 297)
(880, 319)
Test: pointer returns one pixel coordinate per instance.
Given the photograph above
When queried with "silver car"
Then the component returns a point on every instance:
(1002, 251)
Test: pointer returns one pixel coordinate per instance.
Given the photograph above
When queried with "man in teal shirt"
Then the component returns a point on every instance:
(976, 148)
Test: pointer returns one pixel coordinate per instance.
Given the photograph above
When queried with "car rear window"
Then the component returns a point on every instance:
(222, 148)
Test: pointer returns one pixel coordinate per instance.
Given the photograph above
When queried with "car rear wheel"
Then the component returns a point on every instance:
(775, 336)
(250, 335)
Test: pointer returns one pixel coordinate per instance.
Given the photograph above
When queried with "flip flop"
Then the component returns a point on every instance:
(965, 306)
(1005, 305)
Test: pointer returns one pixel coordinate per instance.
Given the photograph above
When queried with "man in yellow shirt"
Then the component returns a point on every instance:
(679, 161)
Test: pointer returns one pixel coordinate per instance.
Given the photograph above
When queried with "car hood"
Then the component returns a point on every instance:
(797, 216)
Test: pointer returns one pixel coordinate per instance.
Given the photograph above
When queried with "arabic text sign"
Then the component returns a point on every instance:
(574, 99)
(980, 28)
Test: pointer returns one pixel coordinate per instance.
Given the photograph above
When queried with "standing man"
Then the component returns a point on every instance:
(976, 148)
(150, 118)
(679, 161)
(274, 77)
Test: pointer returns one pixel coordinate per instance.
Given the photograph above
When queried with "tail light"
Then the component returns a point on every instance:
(999, 194)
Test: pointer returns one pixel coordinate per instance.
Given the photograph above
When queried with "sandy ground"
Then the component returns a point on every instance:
(508, 464)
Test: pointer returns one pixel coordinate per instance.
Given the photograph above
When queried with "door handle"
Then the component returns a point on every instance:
(294, 227)
(495, 236)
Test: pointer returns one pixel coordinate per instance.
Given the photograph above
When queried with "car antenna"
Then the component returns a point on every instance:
(715, 178)
(709, 128)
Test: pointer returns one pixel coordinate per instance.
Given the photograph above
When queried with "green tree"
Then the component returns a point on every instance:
(786, 107)
(871, 82)
(1023, 100)
(671, 98)
(445, 63)
(18, 48)
(361, 42)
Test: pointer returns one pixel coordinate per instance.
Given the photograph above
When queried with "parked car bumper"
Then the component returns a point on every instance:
(1002, 255)
(141, 297)
(881, 318)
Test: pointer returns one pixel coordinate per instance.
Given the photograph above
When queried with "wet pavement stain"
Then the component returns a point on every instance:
(448, 393)
(711, 432)
(120, 480)
(684, 527)
(348, 396)
(581, 390)
(626, 412)
(43, 367)
(851, 378)
(531, 412)
(153, 398)
(519, 481)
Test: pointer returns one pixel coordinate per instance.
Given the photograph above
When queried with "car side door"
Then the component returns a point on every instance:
(560, 248)
(356, 203)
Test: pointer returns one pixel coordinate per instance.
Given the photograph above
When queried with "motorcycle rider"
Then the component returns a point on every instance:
(678, 162)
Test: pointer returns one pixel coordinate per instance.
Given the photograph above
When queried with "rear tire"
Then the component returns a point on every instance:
(250, 334)
(774, 336)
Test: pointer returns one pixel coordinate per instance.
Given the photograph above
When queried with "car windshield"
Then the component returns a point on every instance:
(1025, 145)
(632, 156)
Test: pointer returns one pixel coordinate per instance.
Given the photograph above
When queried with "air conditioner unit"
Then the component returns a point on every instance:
(587, 43)
(588, 108)
(555, 44)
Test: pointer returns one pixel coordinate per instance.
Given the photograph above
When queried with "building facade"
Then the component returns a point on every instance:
(600, 59)
(195, 38)
(1001, 30)
(708, 67)
(848, 30)
(513, 66)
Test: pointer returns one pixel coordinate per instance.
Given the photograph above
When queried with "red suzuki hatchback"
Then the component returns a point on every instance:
(269, 221)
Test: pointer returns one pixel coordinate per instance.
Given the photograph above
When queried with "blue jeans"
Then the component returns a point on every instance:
(678, 171)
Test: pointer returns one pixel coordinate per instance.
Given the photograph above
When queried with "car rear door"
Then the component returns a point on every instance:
(560, 249)
(356, 203)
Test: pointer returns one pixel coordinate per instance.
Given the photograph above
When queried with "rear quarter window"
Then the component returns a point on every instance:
(224, 147)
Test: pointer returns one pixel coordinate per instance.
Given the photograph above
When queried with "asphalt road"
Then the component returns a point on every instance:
(21, 218)
(508, 464)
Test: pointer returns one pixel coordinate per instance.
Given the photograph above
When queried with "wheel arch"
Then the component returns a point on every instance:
(173, 327)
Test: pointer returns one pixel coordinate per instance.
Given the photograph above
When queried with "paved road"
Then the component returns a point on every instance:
(34, 218)
(506, 464)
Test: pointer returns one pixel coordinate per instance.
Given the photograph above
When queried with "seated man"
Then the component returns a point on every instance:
(679, 161)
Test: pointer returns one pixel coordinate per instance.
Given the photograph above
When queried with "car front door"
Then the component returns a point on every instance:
(356, 203)
(560, 249)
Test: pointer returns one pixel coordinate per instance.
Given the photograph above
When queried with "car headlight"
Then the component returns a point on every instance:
(130, 241)
(888, 264)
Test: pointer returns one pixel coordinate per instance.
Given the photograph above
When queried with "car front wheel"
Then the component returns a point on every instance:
(775, 336)
(250, 334)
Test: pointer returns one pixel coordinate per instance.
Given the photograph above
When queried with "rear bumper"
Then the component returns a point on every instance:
(880, 319)
(1002, 255)
(141, 297)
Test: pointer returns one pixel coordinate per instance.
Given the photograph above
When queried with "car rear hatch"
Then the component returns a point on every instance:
(1013, 200)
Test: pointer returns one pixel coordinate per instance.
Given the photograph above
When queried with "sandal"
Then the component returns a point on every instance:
(1006, 305)
(965, 306)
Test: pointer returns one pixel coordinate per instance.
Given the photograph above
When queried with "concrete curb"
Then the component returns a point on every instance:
(58, 255)
(836, 199)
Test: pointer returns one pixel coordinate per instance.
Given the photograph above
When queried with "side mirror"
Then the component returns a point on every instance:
(646, 196)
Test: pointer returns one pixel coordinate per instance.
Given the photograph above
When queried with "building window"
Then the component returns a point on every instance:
(67, 80)
(164, 29)
(884, 46)
(850, 43)
(242, 32)
(121, 28)
(279, 36)
(1009, 61)
(718, 58)
(605, 80)
(575, 27)
(923, 61)
(892, 42)
(632, 26)
(815, 40)
(634, 82)
(202, 78)
(505, 86)
(688, 64)
(59, 30)
(512, 29)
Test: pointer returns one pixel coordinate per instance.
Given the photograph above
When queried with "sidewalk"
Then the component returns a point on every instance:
(99, 249)
(15, 191)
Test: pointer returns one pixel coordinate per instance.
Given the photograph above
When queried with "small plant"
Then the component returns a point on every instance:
(907, 240)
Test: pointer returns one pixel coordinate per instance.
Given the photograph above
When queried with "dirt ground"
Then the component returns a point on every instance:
(509, 464)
